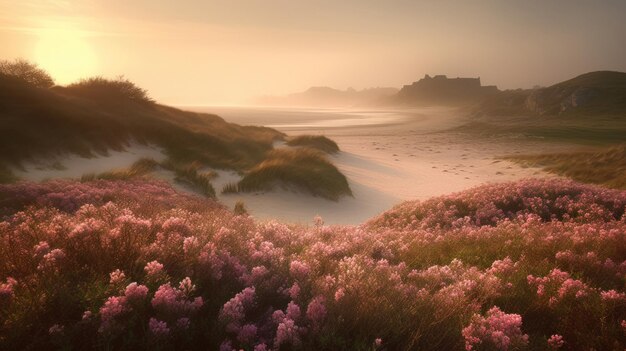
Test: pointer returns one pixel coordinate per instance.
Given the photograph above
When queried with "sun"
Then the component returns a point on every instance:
(66, 54)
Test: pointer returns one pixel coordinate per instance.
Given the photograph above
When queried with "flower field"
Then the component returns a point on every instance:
(535, 264)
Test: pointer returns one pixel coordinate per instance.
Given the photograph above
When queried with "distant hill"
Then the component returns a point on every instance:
(601, 92)
(330, 97)
(441, 90)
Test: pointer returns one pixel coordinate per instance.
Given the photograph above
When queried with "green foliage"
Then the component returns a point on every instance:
(191, 175)
(318, 142)
(304, 168)
(27, 72)
(110, 89)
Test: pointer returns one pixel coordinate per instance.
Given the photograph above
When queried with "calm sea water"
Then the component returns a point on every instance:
(289, 119)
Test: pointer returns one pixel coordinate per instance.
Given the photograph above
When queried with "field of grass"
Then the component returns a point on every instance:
(303, 168)
(606, 167)
(537, 264)
(318, 142)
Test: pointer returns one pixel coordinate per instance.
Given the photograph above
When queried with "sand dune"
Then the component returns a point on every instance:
(387, 156)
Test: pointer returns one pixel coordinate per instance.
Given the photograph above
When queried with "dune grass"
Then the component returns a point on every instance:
(140, 168)
(304, 168)
(192, 175)
(606, 167)
(318, 142)
(91, 117)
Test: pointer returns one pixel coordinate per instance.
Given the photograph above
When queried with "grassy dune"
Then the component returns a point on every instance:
(96, 115)
(606, 167)
(318, 142)
(304, 168)
(87, 120)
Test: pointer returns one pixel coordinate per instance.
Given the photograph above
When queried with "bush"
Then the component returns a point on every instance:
(303, 168)
(318, 142)
(27, 72)
(110, 90)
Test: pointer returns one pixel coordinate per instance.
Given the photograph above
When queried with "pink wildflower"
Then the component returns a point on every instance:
(556, 341)
(158, 328)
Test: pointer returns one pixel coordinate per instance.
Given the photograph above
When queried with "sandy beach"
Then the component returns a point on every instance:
(387, 156)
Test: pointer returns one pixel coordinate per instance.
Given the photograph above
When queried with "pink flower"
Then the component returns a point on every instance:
(378, 342)
(116, 277)
(247, 334)
(113, 307)
(56, 329)
(339, 294)
(556, 341)
(499, 329)
(294, 291)
(299, 269)
(42, 248)
(316, 312)
(136, 292)
(158, 328)
(153, 268)
(7, 289)
(287, 333)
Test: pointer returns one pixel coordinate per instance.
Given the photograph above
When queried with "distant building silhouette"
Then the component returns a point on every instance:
(445, 91)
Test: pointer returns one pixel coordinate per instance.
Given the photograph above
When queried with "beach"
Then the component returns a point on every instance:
(388, 156)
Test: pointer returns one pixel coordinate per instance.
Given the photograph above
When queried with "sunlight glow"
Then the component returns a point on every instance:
(66, 54)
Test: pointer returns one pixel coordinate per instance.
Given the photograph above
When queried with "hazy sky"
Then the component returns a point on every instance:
(224, 52)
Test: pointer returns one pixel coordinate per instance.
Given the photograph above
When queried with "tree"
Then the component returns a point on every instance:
(26, 71)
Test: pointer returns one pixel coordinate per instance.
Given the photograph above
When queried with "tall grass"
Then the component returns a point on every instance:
(606, 167)
(90, 117)
(304, 168)
(140, 168)
(192, 175)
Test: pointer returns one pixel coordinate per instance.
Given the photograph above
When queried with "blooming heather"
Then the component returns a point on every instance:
(135, 265)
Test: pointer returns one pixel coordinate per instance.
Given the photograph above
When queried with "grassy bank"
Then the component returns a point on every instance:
(302, 168)
(605, 167)
(96, 115)
(318, 142)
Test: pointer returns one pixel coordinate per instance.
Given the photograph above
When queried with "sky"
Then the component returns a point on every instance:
(205, 52)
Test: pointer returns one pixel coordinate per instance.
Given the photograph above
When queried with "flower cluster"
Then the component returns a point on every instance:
(135, 265)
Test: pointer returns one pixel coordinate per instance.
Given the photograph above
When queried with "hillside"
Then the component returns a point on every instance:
(330, 97)
(594, 93)
(95, 116)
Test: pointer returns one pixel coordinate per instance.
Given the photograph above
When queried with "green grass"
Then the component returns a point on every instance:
(605, 167)
(304, 168)
(41, 122)
(96, 115)
(600, 130)
(318, 142)
(190, 174)
(140, 168)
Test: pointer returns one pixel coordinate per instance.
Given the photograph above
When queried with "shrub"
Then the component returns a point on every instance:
(110, 90)
(27, 72)
(318, 142)
(306, 169)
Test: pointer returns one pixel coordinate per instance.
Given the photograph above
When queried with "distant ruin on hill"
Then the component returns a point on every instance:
(441, 90)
